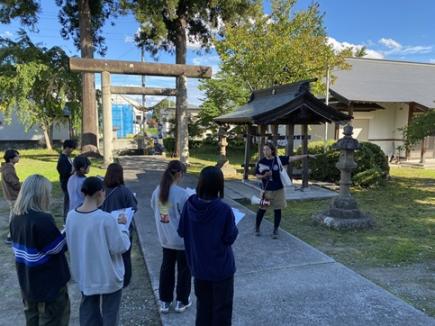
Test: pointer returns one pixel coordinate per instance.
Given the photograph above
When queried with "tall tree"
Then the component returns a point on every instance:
(267, 50)
(168, 24)
(24, 10)
(83, 20)
(36, 83)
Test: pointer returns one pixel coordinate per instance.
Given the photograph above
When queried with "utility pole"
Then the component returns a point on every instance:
(327, 99)
(142, 54)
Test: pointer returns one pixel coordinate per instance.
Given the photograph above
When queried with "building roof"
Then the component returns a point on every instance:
(291, 103)
(375, 80)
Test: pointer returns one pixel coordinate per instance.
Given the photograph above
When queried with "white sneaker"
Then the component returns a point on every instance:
(180, 307)
(164, 307)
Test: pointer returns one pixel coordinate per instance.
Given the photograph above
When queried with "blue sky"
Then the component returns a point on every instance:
(390, 29)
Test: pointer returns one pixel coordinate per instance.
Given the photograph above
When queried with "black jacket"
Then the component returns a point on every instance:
(64, 168)
(39, 250)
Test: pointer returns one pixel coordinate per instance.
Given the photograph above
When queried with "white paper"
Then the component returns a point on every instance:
(238, 215)
(190, 191)
(128, 212)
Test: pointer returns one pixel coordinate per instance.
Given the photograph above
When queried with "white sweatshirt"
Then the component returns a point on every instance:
(95, 244)
(167, 232)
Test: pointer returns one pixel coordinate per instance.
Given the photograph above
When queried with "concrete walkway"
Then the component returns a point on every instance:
(278, 282)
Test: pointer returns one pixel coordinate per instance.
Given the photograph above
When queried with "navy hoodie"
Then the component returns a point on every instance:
(209, 230)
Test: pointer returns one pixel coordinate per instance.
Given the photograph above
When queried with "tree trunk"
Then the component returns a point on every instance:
(89, 118)
(181, 134)
(46, 130)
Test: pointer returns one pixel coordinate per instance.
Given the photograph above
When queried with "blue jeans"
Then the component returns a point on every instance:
(100, 309)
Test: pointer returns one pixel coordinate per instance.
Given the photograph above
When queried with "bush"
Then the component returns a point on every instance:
(368, 178)
(372, 169)
(169, 144)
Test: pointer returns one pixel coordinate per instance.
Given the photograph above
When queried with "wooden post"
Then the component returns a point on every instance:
(181, 118)
(262, 132)
(290, 132)
(249, 132)
(350, 112)
(107, 118)
(275, 135)
(423, 150)
(305, 160)
(410, 115)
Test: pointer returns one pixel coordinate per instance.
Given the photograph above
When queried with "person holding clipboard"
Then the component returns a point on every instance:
(96, 243)
(119, 197)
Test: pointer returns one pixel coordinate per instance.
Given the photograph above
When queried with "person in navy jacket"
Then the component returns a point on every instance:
(208, 228)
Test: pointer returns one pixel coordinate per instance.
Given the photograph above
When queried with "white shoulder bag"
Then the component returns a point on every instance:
(285, 179)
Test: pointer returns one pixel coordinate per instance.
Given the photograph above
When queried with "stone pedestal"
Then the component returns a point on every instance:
(343, 212)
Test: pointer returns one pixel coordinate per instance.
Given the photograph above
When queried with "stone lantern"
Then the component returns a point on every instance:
(343, 212)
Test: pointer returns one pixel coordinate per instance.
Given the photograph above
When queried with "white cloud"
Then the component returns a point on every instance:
(340, 46)
(395, 48)
(431, 60)
(6, 34)
(129, 39)
(390, 43)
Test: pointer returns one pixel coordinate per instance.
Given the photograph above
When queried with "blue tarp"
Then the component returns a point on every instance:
(122, 119)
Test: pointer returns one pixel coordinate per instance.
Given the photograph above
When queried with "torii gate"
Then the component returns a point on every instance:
(106, 67)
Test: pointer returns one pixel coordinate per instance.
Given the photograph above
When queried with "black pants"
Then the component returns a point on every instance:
(126, 258)
(167, 276)
(65, 202)
(214, 302)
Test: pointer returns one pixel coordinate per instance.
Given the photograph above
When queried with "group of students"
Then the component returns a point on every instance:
(99, 245)
(196, 233)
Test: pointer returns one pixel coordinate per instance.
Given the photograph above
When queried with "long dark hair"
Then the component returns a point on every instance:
(114, 176)
(210, 183)
(168, 179)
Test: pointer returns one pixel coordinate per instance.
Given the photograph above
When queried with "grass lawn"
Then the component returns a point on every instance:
(208, 155)
(44, 162)
(404, 213)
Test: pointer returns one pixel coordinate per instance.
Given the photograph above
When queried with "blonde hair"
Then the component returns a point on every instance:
(34, 195)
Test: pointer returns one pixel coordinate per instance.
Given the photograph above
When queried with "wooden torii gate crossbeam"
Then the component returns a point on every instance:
(106, 67)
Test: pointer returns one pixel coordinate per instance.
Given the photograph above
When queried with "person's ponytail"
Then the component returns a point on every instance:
(168, 179)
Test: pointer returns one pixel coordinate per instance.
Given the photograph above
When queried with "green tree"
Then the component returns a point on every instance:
(36, 83)
(24, 10)
(267, 50)
(163, 104)
(168, 24)
(420, 126)
(83, 21)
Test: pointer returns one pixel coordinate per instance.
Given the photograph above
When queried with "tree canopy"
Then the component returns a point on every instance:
(420, 126)
(267, 50)
(24, 10)
(36, 83)
(100, 12)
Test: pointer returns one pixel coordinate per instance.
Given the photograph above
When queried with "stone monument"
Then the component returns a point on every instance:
(343, 212)
(223, 163)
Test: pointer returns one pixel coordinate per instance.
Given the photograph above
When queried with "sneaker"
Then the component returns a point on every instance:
(257, 232)
(275, 234)
(180, 307)
(8, 241)
(164, 307)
